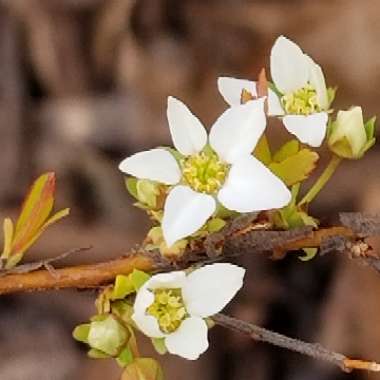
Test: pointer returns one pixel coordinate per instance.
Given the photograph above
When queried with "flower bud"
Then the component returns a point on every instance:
(107, 335)
(349, 136)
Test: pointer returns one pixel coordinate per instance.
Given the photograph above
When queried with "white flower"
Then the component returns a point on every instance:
(303, 100)
(224, 170)
(173, 305)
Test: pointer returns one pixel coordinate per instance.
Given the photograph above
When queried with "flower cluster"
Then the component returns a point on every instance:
(196, 187)
(208, 179)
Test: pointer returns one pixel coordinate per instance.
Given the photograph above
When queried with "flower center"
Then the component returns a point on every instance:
(204, 172)
(303, 101)
(168, 308)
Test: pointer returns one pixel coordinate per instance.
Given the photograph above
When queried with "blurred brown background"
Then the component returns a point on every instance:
(83, 83)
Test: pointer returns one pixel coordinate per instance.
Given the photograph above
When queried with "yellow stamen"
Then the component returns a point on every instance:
(303, 101)
(168, 308)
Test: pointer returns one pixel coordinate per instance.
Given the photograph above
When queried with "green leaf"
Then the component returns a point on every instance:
(310, 253)
(262, 151)
(125, 358)
(123, 287)
(290, 148)
(131, 185)
(139, 278)
(159, 345)
(296, 168)
(215, 224)
(80, 332)
(143, 369)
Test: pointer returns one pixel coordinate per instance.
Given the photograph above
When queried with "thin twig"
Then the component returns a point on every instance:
(238, 239)
(313, 350)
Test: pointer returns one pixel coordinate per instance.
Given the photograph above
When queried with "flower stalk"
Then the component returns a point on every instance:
(322, 180)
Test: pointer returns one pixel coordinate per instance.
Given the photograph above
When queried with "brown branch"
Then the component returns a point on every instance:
(242, 236)
(313, 350)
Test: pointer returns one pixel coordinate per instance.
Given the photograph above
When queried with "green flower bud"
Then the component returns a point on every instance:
(107, 336)
(349, 137)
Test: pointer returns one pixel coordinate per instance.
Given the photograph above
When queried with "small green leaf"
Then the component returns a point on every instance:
(80, 332)
(287, 150)
(262, 151)
(295, 168)
(125, 358)
(159, 345)
(131, 185)
(123, 287)
(215, 224)
(310, 253)
(143, 369)
(139, 278)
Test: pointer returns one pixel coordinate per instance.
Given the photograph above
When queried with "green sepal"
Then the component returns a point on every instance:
(331, 93)
(131, 185)
(80, 332)
(159, 345)
(125, 358)
(123, 310)
(93, 353)
(369, 127)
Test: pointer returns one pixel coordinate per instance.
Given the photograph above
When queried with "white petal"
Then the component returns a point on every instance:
(274, 104)
(238, 129)
(288, 65)
(188, 134)
(309, 129)
(155, 164)
(231, 89)
(146, 323)
(190, 340)
(209, 289)
(251, 186)
(185, 211)
(174, 279)
(317, 80)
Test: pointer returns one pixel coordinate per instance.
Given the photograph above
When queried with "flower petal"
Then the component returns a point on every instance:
(174, 279)
(251, 186)
(237, 131)
(190, 340)
(317, 80)
(288, 65)
(209, 289)
(146, 323)
(274, 104)
(155, 164)
(309, 129)
(231, 89)
(188, 134)
(185, 211)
